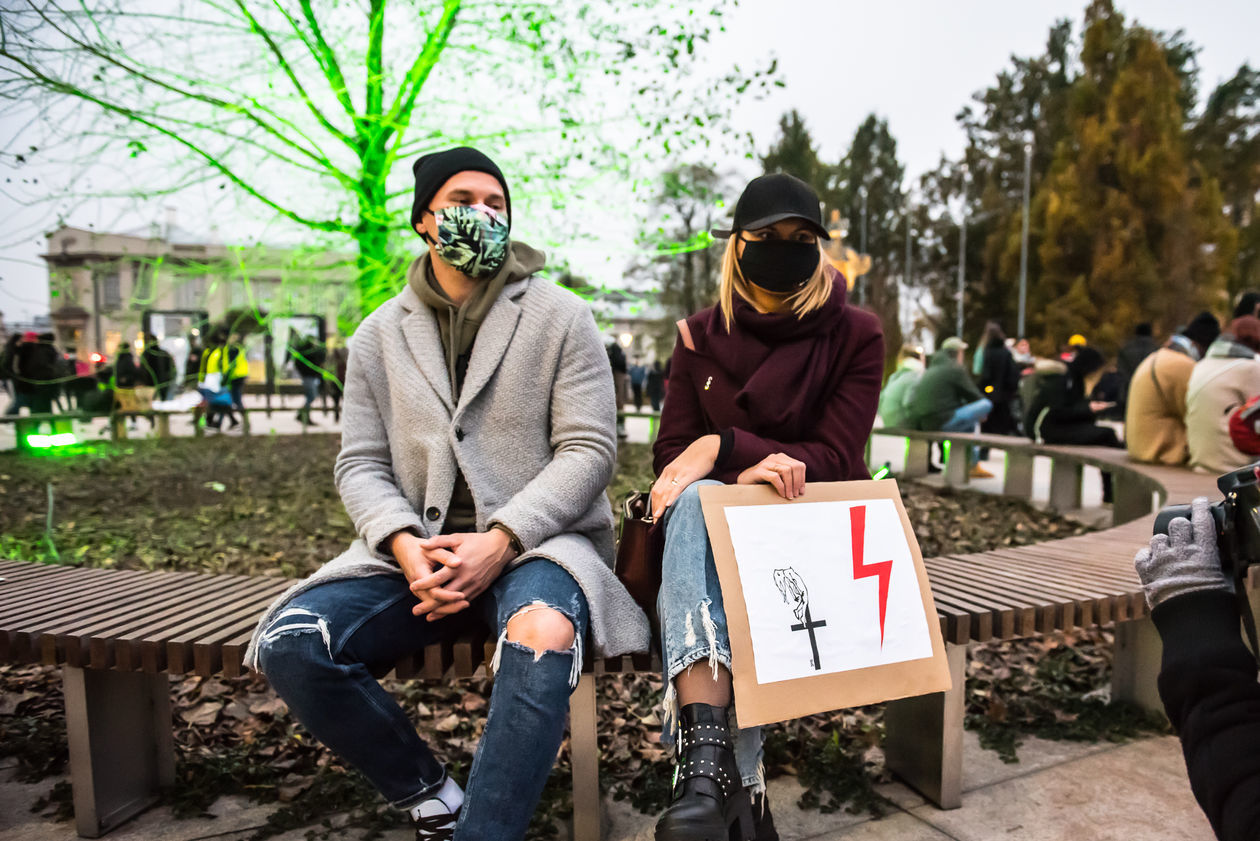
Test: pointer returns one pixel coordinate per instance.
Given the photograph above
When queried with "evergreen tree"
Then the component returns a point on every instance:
(794, 153)
(1130, 228)
(871, 168)
(1226, 142)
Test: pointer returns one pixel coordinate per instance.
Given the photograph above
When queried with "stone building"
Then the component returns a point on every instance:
(101, 285)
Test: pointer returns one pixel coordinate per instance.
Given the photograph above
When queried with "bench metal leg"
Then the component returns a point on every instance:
(1130, 501)
(122, 751)
(1065, 485)
(584, 756)
(1136, 664)
(164, 425)
(1018, 482)
(923, 737)
(958, 464)
(918, 457)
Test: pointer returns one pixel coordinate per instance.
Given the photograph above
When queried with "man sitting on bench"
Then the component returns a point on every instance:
(478, 440)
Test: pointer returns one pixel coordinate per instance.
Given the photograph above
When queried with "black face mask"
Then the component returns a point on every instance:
(777, 265)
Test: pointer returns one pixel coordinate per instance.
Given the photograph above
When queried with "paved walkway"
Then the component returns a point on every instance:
(1059, 791)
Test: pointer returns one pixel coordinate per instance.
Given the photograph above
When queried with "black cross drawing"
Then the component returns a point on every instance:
(809, 625)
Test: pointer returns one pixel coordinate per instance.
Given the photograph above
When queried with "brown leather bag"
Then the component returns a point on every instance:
(637, 566)
(640, 544)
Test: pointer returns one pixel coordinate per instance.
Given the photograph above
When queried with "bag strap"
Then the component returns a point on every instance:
(685, 332)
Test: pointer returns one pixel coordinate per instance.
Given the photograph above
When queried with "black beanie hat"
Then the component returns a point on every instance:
(1203, 330)
(435, 169)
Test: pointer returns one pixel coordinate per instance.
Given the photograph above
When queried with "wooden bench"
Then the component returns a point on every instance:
(120, 635)
(64, 421)
(1008, 593)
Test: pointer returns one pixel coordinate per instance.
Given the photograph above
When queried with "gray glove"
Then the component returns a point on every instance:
(1184, 560)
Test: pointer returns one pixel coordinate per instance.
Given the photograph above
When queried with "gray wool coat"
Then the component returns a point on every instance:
(533, 432)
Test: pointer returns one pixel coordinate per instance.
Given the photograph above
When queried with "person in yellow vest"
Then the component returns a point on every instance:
(1155, 417)
(219, 368)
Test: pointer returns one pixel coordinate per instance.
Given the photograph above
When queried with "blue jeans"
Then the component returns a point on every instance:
(325, 651)
(310, 390)
(966, 419)
(693, 620)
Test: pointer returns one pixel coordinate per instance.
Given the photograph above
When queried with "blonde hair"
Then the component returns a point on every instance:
(810, 297)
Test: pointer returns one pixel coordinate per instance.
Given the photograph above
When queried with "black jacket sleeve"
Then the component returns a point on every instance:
(1208, 685)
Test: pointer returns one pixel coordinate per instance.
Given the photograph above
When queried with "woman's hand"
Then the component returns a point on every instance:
(692, 465)
(784, 472)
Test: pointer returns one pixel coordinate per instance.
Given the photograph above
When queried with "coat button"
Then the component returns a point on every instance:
(433, 513)
(459, 434)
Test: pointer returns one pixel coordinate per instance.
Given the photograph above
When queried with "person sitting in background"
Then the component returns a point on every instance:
(1060, 413)
(894, 399)
(946, 399)
(157, 368)
(1139, 346)
(1226, 378)
(999, 382)
(1155, 417)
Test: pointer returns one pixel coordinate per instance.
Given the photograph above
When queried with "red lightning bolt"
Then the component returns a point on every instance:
(861, 569)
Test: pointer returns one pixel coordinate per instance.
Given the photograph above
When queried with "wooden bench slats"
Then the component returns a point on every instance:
(1072, 604)
(1023, 611)
(49, 591)
(133, 647)
(75, 643)
(981, 619)
(207, 650)
(1100, 598)
(1046, 614)
(1095, 583)
(178, 646)
(59, 617)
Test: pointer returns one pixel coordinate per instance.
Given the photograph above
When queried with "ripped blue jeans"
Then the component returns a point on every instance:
(693, 620)
(324, 653)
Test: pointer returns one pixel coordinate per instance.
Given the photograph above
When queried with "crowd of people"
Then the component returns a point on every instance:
(1192, 400)
(477, 482)
(41, 377)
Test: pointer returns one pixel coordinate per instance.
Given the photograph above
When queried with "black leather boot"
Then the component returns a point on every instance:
(710, 802)
(763, 819)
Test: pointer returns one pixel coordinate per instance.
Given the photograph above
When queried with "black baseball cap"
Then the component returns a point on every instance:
(770, 198)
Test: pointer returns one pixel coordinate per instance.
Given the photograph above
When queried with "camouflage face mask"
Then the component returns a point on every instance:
(472, 239)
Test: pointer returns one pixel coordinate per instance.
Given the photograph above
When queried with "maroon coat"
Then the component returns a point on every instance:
(808, 388)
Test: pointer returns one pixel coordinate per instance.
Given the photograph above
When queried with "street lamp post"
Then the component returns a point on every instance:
(962, 252)
(1023, 240)
(862, 250)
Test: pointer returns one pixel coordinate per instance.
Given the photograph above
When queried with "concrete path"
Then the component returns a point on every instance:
(1059, 791)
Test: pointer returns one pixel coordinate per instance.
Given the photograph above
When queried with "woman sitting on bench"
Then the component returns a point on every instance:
(776, 384)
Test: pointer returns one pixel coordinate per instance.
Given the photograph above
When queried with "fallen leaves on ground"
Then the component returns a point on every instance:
(157, 505)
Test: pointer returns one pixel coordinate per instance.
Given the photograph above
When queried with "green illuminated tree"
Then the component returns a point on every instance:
(307, 107)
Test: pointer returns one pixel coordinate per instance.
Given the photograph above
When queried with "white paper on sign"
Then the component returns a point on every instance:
(813, 607)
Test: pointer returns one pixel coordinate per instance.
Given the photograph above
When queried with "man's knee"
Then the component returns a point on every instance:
(541, 628)
(291, 642)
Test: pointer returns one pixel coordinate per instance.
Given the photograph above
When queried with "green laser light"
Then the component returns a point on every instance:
(44, 442)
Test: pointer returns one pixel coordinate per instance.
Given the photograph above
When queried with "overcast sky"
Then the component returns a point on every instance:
(914, 63)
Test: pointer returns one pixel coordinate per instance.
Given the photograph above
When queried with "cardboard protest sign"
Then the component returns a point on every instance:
(827, 600)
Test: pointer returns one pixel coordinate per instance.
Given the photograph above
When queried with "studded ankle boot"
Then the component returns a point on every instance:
(709, 799)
